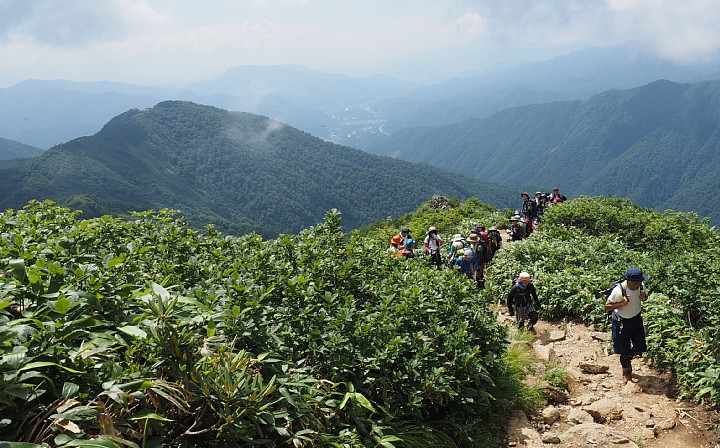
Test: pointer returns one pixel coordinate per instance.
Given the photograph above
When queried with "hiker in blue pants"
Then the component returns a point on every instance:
(628, 332)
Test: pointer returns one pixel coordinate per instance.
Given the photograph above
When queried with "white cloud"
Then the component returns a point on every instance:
(161, 41)
(683, 31)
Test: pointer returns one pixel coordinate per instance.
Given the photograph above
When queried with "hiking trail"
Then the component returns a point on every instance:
(599, 410)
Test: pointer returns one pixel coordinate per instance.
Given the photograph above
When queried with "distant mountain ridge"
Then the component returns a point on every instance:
(343, 109)
(239, 171)
(10, 149)
(658, 145)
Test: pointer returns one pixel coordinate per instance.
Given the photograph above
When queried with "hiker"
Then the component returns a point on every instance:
(432, 246)
(523, 302)
(495, 239)
(628, 332)
(397, 242)
(457, 244)
(479, 254)
(407, 249)
(557, 197)
(464, 263)
(516, 230)
(528, 209)
(543, 204)
(529, 225)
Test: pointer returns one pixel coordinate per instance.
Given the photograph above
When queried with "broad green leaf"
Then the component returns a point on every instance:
(18, 269)
(364, 402)
(211, 328)
(160, 291)
(19, 445)
(133, 331)
(150, 416)
(69, 390)
(95, 443)
(135, 385)
(62, 305)
(33, 276)
(37, 364)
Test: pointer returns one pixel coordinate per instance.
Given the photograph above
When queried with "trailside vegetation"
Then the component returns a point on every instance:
(144, 332)
(586, 243)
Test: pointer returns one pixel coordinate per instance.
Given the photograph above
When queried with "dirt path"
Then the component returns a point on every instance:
(599, 410)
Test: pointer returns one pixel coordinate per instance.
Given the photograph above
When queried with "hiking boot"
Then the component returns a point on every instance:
(531, 329)
(627, 375)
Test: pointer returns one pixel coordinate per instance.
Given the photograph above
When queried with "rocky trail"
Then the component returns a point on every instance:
(598, 410)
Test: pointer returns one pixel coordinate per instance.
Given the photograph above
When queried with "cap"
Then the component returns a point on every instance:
(635, 275)
(468, 253)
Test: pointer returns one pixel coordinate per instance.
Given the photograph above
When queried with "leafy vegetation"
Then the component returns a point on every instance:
(144, 332)
(588, 242)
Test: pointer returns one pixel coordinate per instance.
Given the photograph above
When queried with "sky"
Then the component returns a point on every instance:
(173, 42)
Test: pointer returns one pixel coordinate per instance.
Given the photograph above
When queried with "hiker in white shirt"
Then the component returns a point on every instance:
(628, 332)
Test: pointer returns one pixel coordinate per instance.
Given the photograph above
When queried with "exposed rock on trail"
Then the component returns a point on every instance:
(600, 410)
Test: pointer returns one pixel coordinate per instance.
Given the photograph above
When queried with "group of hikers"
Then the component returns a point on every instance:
(471, 256)
(525, 219)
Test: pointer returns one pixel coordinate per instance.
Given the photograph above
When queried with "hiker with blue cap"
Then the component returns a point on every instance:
(628, 332)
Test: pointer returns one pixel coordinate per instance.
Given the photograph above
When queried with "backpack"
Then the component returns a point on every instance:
(521, 298)
(518, 232)
(487, 250)
(605, 293)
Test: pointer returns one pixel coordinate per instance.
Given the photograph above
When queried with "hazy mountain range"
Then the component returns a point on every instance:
(338, 108)
(241, 172)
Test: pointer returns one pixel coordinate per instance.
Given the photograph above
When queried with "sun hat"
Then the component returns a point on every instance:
(404, 229)
(514, 218)
(457, 237)
(493, 229)
(538, 193)
(432, 229)
(524, 274)
(635, 275)
(473, 238)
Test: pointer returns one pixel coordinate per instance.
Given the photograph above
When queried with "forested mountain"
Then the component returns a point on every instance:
(657, 144)
(10, 149)
(240, 171)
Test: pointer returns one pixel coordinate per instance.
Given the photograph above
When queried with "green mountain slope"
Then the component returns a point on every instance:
(10, 149)
(656, 144)
(240, 171)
